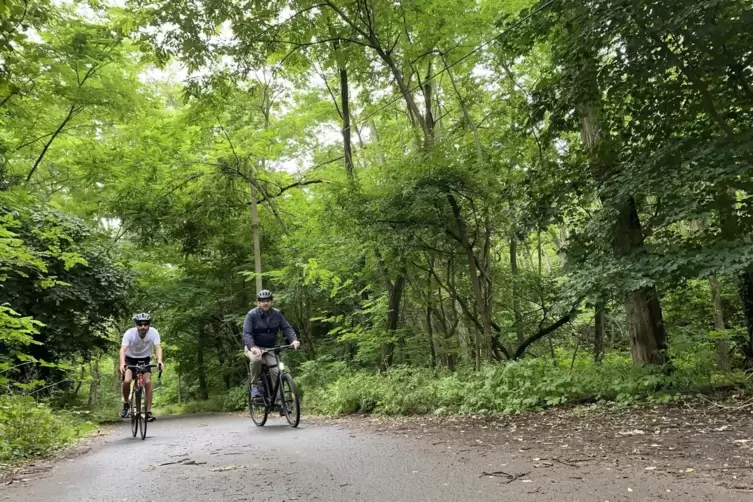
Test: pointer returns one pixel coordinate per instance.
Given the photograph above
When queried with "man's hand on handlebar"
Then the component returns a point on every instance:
(161, 366)
(296, 344)
(256, 351)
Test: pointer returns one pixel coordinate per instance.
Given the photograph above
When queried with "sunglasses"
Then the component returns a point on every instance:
(141, 324)
(266, 300)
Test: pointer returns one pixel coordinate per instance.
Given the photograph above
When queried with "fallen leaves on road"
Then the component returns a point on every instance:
(225, 468)
(510, 477)
(184, 461)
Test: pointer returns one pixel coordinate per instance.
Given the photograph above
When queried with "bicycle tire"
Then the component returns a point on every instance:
(134, 415)
(142, 419)
(259, 412)
(290, 396)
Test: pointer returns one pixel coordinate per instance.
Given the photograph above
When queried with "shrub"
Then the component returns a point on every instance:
(28, 428)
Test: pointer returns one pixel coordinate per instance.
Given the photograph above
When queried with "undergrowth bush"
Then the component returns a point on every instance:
(29, 428)
(531, 384)
(236, 399)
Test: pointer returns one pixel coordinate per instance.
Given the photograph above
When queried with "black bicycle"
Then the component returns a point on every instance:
(283, 388)
(138, 412)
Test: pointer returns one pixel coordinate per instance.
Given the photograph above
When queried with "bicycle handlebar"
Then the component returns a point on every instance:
(142, 367)
(277, 348)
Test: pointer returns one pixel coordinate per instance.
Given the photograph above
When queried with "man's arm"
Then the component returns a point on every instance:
(158, 349)
(287, 330)
(248, 331)
(123, 349)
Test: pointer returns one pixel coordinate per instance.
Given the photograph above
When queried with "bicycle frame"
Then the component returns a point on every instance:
(138, 382)
(272, 392)
(268, 395)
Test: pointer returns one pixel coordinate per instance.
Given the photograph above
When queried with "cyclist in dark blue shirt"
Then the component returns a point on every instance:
(260, 332)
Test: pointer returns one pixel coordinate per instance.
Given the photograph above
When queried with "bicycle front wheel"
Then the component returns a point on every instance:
(257, 408)
(291, 401)
(135, 402)
(142, 419)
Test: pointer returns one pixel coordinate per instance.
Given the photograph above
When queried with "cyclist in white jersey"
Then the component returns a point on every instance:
(136, 348)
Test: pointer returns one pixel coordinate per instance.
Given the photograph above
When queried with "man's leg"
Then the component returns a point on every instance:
(254, 373)
(254, 366)
(127, 377)
(271, 362)
(148, 388)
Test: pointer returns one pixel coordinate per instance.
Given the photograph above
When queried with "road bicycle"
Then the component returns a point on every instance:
(284, 388)
(138, 391)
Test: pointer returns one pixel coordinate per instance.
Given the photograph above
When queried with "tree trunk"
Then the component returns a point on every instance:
(255, 233)
(307, 328)
(94, 386)
(393, 319)
(644, 315)
(429, 327)
(745, 285)
(200, 370)
(117, 381)
(722, 346)
(80, 380)
(225, 375)
(599, 326)
(647, 339)
(515, 306)
(482, 306)
(346, 122)
(730, 227)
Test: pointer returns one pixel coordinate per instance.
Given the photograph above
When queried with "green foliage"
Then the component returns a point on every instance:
(455, 231)
(72, 295)
(29, 428)
(531, 384)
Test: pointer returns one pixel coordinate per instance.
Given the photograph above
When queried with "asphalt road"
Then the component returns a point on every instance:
(227, 458)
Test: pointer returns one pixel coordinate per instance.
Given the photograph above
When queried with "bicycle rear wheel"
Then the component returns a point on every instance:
(257, 408)
(291, 404)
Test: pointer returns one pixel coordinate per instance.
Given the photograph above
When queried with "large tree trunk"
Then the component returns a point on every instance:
(644, 315)
(647, 338)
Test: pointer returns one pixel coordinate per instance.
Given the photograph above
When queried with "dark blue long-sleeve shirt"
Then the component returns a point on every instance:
(260, 328)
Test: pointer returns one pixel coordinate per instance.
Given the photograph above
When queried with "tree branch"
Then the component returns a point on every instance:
(543, 332)
(71, 112)
(286, 188)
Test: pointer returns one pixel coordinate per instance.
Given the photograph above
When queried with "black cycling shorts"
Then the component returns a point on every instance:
(130, 361)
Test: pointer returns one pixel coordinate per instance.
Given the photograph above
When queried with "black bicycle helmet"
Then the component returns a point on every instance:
(264, 294)
(142, 317)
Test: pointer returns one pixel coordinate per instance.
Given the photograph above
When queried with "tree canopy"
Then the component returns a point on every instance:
(427, 183)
